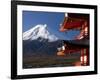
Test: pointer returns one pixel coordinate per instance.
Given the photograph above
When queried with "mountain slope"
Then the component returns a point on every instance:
(39, 41)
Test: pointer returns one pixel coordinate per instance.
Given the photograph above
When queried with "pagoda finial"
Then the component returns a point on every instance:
(66, 14)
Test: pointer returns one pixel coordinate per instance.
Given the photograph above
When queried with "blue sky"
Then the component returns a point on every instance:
(52, 19)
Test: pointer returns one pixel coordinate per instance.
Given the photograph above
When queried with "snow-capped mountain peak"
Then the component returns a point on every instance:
(39, 31)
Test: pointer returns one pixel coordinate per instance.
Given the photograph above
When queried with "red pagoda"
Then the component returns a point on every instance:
(81, 43)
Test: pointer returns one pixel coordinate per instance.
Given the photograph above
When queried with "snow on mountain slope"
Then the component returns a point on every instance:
(39, 31)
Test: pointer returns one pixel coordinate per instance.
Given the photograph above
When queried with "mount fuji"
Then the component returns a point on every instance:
(38, 40)
(39, 32)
